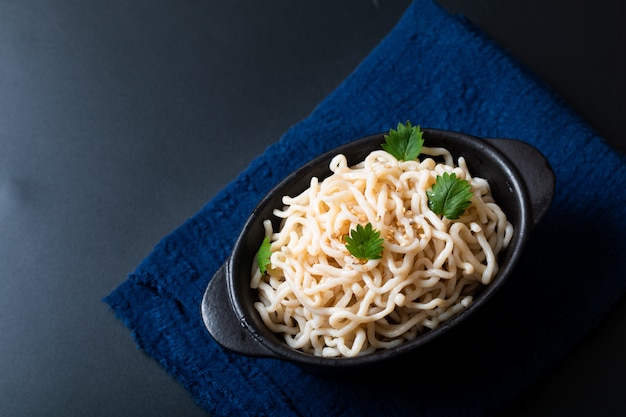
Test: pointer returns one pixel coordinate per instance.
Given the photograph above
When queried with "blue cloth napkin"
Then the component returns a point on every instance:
(435, 70)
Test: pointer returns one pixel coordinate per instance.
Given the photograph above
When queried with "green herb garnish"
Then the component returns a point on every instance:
(365, 242)
(449, 196)
(405, 143)
(263, 255)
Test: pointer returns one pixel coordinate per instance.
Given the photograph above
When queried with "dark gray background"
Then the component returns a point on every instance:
(110, 112)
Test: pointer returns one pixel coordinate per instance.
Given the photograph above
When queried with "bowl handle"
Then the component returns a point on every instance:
(222, 323)
(535, 170)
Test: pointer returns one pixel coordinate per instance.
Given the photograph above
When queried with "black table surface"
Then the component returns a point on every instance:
(109, 114)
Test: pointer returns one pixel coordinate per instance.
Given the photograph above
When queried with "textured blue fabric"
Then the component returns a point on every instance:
(437, 71)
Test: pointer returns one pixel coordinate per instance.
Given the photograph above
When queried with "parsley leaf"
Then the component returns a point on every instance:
(449, 196)
(365, 242)
(263, 255)
(405, 143)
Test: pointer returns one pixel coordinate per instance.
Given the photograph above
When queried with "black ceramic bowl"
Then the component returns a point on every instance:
(522, 183)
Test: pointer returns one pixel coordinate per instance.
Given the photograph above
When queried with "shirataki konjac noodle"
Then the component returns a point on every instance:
(327, 302)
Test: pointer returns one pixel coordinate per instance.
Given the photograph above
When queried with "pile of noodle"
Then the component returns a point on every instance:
(326, 302)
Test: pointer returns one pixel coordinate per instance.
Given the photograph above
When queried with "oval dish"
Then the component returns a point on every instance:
(522, 183)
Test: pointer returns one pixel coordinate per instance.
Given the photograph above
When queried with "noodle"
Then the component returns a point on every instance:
(327, 303)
